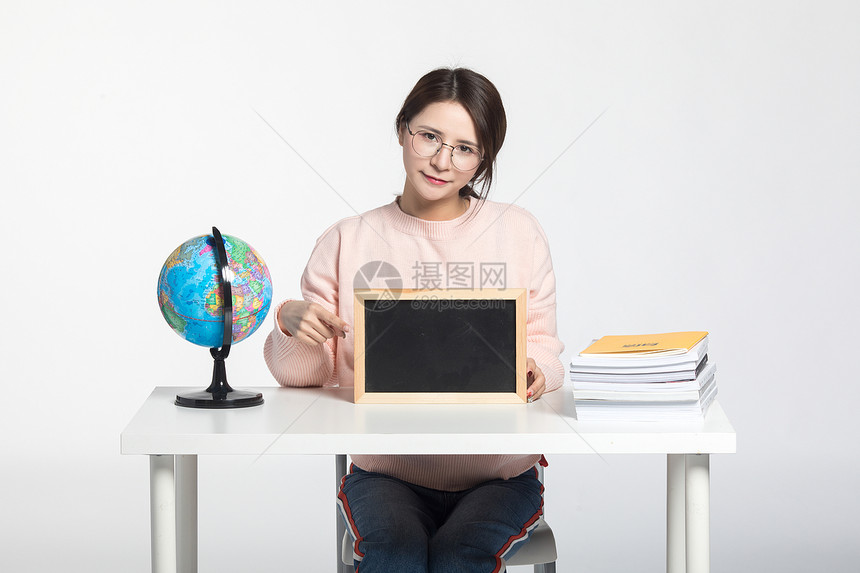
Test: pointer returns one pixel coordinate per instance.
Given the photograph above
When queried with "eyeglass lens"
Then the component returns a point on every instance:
(463, 157)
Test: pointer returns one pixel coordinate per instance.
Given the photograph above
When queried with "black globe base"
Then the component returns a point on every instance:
(205, 399)
(219, 394)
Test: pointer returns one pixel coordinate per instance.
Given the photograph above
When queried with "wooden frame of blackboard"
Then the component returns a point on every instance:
(393, 326)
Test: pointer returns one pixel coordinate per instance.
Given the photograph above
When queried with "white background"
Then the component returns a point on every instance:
(717, 191)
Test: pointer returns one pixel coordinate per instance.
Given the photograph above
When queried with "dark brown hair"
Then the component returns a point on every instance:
(483, 103)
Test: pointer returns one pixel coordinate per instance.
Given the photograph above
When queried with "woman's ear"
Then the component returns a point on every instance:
(400, 136)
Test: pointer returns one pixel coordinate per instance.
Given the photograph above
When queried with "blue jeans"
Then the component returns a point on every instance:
(405, 528)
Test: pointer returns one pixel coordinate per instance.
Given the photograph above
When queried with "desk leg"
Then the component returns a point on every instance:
(173, 513)
(698, 501)
(162, 511)
(676, 535)
(186, 513)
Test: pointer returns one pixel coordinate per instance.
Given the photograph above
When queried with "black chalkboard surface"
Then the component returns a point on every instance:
(444, 346)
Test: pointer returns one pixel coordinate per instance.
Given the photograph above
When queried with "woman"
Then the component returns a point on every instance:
(442, 512)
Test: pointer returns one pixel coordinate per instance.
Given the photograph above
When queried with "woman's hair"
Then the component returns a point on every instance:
(483, 103)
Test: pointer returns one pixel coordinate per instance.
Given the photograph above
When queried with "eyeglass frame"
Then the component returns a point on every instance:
(441, 145)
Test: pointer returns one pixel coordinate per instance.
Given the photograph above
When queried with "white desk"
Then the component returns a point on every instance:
(325, 421)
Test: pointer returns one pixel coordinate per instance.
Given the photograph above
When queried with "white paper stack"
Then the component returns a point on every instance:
(644, 385)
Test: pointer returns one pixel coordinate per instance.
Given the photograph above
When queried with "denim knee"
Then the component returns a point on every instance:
(391, 529)
(398, 542)
(453, 552)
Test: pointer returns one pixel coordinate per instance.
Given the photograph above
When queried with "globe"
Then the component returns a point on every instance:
(190, 292)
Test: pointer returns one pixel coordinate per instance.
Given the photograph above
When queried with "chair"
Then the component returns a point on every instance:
(539, 550)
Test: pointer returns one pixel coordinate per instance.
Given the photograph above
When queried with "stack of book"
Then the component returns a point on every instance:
(657, 377)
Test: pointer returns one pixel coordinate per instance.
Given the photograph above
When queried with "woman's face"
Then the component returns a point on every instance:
(433, 182)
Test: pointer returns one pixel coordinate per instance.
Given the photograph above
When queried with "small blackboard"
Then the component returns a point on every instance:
(440, 346)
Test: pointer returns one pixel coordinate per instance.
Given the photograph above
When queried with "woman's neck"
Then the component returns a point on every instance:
(433, 210)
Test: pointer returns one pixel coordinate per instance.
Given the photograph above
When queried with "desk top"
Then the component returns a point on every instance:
(325, 421)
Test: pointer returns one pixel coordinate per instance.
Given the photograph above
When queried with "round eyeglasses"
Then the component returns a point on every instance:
(427, 144)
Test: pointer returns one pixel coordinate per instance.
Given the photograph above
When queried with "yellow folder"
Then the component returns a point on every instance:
(646, 344)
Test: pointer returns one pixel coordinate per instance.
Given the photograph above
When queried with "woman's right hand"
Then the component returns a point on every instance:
(309, 322)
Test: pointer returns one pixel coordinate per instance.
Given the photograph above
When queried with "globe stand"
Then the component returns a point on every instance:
(219, 394)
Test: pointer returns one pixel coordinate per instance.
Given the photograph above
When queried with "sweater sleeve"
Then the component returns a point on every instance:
(294, 363)
(542, 342)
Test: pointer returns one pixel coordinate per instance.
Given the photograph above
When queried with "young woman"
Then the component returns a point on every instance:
(438, 513)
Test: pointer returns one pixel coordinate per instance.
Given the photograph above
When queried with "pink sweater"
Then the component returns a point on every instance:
(492, 245)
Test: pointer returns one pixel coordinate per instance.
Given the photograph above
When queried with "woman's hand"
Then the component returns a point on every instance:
(310, 323)
(535, 380)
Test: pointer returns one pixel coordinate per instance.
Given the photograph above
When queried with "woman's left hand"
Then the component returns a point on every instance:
(535, 380)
